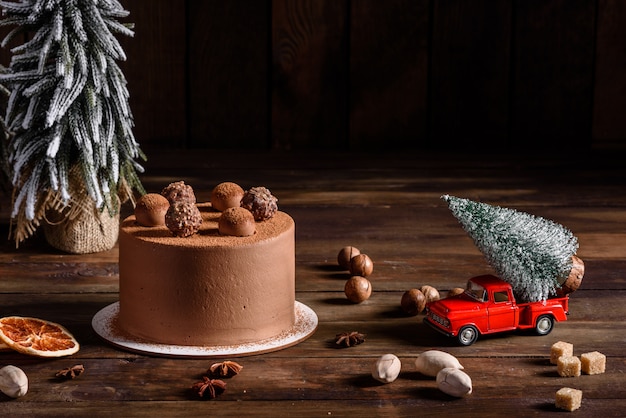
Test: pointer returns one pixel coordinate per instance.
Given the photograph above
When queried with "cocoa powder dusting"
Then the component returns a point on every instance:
(208, 233)
(152, 201)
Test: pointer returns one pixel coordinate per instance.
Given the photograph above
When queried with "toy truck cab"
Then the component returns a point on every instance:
(488, 306)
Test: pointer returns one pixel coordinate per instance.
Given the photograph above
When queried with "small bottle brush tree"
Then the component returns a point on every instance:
(68, 111)
(533, 254)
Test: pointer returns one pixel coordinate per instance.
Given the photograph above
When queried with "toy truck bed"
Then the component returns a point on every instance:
(488, 306)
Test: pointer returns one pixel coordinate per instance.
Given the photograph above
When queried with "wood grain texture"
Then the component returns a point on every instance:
(388, 73)
(553, 74)
(155, 71)
(228, 57)
(609, 125)
(470, 75)
(303, 74)
(497, 407)
(502, 76)
(390, 209)
(309, 74)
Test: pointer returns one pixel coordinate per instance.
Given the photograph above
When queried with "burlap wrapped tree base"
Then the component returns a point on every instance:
(84, 231)
(88, 233)
(74, 226)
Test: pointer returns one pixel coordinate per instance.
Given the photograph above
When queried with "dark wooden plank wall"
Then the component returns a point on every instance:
(367, 74)
(553, 62)
(609, 123)
(470, 74)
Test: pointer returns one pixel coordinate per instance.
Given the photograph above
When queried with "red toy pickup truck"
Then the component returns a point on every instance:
(488, 306)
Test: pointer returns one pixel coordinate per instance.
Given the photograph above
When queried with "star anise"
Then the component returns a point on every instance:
(224, 369)
(71, 372)
(209, 388)
(349, 339)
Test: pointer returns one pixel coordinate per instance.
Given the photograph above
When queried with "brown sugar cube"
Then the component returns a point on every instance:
(568, 399)
(568, 366)
(593, 363)
(559, 349)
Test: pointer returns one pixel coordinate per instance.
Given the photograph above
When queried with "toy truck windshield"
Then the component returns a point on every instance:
(476, 291)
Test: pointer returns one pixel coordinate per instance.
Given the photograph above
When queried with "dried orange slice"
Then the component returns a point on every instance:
(37, 337)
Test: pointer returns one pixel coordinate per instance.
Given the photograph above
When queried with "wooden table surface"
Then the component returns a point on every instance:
(389, 206)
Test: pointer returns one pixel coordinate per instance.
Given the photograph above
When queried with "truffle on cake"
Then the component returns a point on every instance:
(237, 222)
(261, 202)
(183, 219)
(179, 192)
(151, 209)
(226, 195)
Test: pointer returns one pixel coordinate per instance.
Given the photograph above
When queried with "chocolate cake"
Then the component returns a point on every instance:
(207, 288)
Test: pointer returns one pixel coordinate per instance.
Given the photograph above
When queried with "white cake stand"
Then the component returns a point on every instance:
(104, 323)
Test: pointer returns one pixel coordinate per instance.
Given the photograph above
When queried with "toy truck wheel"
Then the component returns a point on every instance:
(467, 335)
(544, 325)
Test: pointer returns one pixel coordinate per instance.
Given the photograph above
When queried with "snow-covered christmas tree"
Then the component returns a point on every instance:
(68, 110)
(535, 255)
(5, 184)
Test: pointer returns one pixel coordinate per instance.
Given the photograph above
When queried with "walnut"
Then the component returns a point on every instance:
(209, 388)
(260, 202)
(183, 219)
(349, 339)
(179, 192)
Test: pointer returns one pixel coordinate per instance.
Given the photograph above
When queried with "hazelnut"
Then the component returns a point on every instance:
(361, 265)
(226, 195)
(260, 202)
(455, 291)
(151, 209)
(413, 302)
(345, 255)
(358, 289)
(237, 222)
(183, 219)
(430, 293)
(179, 192)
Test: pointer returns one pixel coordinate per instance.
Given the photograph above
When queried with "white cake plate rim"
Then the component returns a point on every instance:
(104, 324)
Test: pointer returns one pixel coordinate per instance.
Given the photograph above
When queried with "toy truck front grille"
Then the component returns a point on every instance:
(444, 322)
